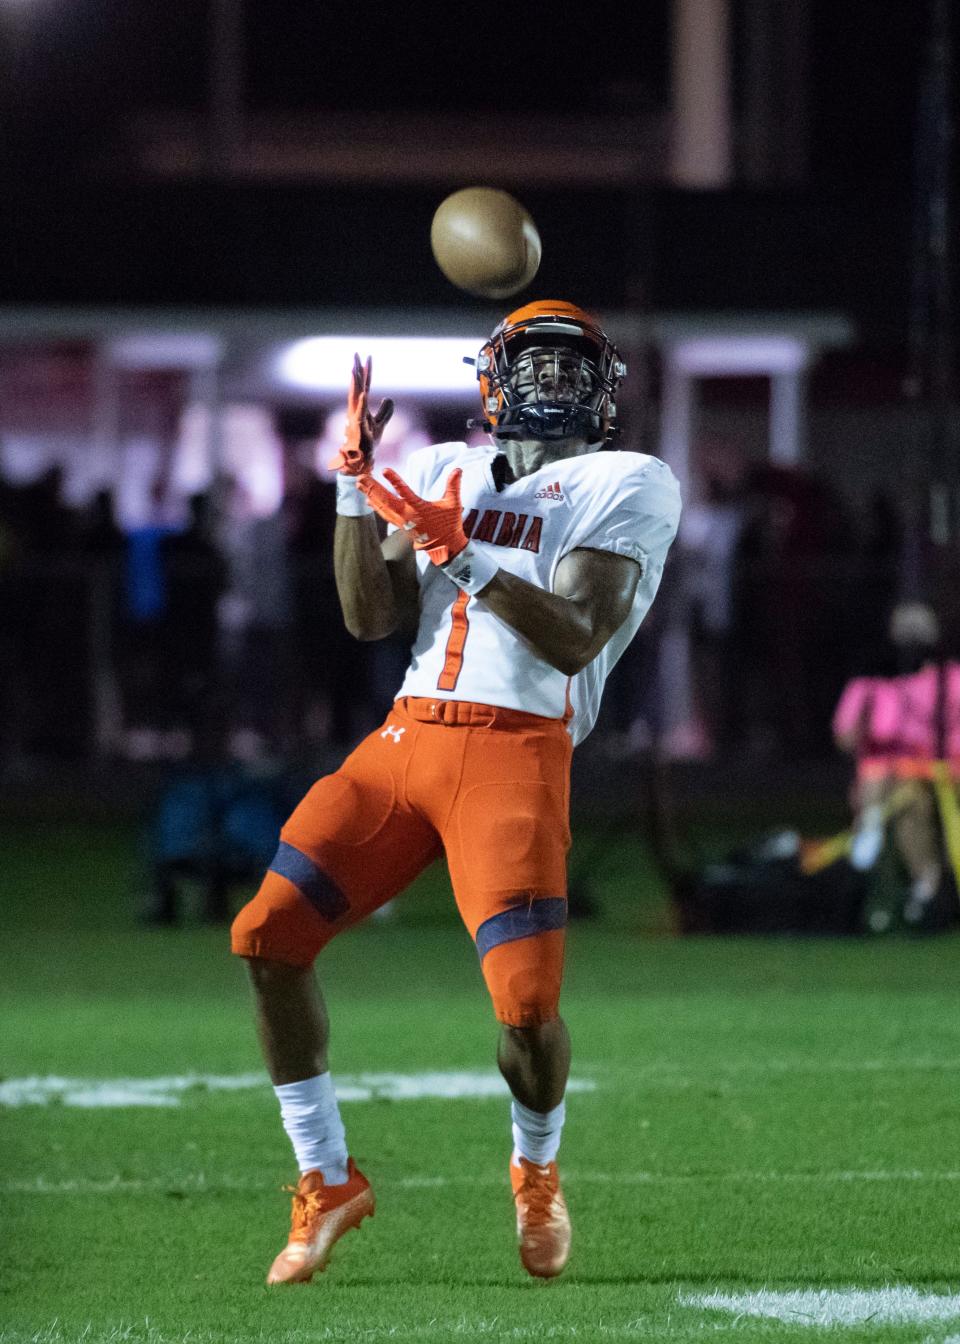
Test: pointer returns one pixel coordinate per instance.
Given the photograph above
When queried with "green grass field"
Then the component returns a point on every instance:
(770, 1126)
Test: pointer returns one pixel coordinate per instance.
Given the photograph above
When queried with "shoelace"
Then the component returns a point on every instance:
(305, 1208)
(538, 1193)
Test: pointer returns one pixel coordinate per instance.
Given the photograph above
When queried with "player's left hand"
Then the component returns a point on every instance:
(436, 525)
(363, 430)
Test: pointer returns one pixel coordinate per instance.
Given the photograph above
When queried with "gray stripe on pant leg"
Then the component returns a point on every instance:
(320, 890)
(522, 921)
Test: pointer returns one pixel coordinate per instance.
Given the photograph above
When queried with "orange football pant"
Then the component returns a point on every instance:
(487, 787)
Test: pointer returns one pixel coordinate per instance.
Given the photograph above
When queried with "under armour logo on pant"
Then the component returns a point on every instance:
(395, 733)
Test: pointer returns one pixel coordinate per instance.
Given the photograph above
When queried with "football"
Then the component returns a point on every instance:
(485, 242)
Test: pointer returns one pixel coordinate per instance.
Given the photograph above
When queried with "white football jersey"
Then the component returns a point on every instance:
(627, 503)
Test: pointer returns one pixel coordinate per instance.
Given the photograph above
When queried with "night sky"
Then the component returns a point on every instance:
(79, 71)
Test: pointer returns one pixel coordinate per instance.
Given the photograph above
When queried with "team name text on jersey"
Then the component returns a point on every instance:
(501, 528)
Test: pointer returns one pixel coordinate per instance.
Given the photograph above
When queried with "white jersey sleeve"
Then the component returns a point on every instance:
(636, 512)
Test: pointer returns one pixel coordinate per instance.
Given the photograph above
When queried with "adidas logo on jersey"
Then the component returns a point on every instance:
(550, 492)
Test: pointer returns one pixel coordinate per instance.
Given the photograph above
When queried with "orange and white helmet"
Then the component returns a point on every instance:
(548, 371)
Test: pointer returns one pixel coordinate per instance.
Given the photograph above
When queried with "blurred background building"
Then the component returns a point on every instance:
(207, 208)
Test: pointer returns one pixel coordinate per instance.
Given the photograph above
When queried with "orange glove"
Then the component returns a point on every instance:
(437, 525)
(363, 430)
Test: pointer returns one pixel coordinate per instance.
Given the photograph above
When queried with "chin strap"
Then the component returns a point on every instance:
(508, 426)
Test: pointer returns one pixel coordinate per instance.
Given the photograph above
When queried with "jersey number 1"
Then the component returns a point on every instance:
(459, 629)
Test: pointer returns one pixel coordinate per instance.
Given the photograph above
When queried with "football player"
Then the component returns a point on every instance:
(528, 570)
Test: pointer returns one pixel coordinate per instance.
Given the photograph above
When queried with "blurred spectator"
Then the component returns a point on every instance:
(195, 580)
(255, 617)
(144, 689)
(49, 618)
(38, 515)
(710, 534)
(897, 729)
(99, 531)
(149, 511)
(792, 606)
(102, 546)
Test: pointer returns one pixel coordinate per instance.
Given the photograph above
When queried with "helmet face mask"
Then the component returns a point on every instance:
(549, 372)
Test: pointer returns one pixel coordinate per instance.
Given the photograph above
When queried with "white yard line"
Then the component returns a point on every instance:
(897, 1304)
(455, 1084)
(452, 1085)
(201, 1183)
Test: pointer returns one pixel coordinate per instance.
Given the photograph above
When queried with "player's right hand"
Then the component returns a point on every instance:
(363, 430)
(435, 524)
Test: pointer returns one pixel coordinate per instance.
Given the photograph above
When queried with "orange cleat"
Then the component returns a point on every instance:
(543, 1223)
(321, 1214)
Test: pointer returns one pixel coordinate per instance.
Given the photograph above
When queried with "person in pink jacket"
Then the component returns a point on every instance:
(896, 728)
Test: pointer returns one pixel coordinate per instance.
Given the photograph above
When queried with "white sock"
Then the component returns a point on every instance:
(311, 1118)
(536, 1134)
(924, 887)
(867, 839)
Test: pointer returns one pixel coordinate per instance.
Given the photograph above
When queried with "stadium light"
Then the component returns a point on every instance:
(400, 363)
(732, 353)
(165, 350)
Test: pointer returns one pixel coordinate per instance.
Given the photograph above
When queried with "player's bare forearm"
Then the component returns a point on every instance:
(558, 630)
(364, 586)
(567, 628)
